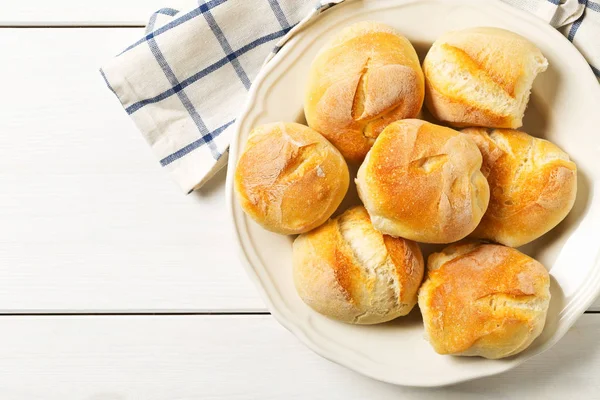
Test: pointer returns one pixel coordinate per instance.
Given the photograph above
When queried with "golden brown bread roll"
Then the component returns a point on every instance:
(368, 76)
(289, 178)
(348, 271)
(423, 182)
(533, 185)
(483, 300)
(481, 77)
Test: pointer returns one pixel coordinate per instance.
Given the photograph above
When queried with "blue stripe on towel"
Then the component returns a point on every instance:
(237, 66)
(165, 11)
(593, 6)
(193, 146)
(574, 28)
(206, 136)
(177, 21)
(279, 14)
(201, 74)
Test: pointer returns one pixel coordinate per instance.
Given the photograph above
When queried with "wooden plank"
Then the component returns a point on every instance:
(90, 221)
(225, 357)
(73, 12)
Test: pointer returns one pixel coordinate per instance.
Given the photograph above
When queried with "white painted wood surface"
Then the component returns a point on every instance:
(91, 221)
(250, 357)
(76, 12)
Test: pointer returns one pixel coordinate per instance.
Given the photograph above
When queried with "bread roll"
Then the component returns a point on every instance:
(483, 300)
(423, 182)
(533, 185)
(481, 77)
(368, 76)
(289, 178)
(348, 271)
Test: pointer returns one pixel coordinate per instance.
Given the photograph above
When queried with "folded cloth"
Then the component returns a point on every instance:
(187, 79)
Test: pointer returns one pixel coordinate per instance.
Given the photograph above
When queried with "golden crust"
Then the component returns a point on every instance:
(348, 271)
(423, 182)
(533, 185)
(367, 77)
(483, 300)
(481, 77)
(289, 178)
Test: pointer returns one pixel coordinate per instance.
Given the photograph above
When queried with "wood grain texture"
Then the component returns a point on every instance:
(152, 358)
(90, 221)
(73, 12)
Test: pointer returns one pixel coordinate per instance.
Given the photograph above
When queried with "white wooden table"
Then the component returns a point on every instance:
(114, 286)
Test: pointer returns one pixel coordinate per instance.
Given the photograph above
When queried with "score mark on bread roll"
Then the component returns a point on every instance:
(533, 185)
(289, 178)
(365, 78)
(423, 182)
(483, 300)
(348, 271)
(481, 77)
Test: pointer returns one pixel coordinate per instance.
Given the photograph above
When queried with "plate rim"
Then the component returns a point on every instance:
(266, 288)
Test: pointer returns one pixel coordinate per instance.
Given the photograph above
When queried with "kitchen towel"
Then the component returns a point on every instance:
(185, 81)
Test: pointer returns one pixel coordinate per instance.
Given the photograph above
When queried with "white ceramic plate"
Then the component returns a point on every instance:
(565, 108)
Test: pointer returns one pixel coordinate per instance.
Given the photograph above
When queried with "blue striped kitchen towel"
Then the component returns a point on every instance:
(184, 82)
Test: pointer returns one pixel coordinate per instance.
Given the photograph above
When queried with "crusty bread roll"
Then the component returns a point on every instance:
(368, 76)
(481, 77)
(289, 178)
(348, 271)
(483, 300)
(423, 182)
(533, 185)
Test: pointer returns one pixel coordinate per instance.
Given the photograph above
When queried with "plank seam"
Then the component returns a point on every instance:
(68, 26)
(150, 313)
(117, 314)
